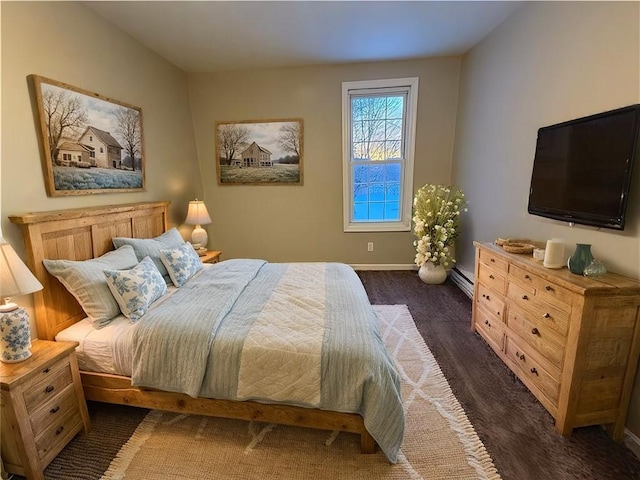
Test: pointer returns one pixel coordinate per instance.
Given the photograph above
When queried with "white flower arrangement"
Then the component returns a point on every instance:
(436, 209)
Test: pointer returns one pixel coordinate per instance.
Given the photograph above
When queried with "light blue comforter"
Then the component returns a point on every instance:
(237, 329)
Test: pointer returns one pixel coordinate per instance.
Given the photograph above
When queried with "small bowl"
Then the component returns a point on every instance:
(538, 254)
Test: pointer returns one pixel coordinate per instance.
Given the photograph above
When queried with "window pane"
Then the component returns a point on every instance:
(360, 212)
(359, 152)
(392, 150)
(376, 173)
(392, 211)
(394, 130)
(392, 172)
(376, 192)
(392, 191)
(376, 151)
(360, 192)
(395, 107)
(376, 211)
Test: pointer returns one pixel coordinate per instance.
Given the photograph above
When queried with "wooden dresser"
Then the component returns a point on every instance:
(573, 341)
(43, 407)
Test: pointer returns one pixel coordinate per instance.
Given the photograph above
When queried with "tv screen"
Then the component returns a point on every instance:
(582, 168)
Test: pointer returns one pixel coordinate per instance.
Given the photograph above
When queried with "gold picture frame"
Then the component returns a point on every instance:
(259, 152)
(89, 143)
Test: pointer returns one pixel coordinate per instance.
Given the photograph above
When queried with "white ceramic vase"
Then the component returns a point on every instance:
(432, 274)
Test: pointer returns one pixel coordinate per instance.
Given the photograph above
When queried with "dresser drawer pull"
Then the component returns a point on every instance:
(46, 370)
(486, 322)
(49, 389)
(534, 371)
(548, 288)
(54, 410)
(520, 356)
(485, 296)
(535, 331)
(524, 297)
(59, 430)
(492, 277)
(527, 277)
(546, 315)
(492, 260)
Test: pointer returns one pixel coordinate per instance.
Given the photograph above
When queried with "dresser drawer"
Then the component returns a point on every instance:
(48, 387)
(555, 318)
(547, 291)
(57, 434)
(538, 335)
(529, 369)
(493, 260)
(492, 278)
(490, 328)
(55, 408)
(491, 301)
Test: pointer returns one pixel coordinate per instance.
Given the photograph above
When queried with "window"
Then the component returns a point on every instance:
(379, 123)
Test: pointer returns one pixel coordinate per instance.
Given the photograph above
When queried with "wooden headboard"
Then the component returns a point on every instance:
(79, 234)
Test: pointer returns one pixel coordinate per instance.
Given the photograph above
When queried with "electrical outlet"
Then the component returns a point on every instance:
(370, 247)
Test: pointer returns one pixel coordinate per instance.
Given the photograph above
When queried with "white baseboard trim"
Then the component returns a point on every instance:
(632, 442)
(383, 266)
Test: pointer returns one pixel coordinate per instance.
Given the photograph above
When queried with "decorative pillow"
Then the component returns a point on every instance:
(85, 281)
(136, 289)
(182, 263)
(150, 247)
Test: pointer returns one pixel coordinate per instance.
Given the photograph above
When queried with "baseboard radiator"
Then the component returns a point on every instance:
(462, 280)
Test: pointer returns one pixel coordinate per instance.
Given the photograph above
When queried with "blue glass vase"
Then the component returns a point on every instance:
(580, 259)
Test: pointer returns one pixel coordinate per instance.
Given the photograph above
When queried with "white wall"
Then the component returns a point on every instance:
(549, 62)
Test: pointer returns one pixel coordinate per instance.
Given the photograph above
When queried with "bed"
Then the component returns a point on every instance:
(85, 234)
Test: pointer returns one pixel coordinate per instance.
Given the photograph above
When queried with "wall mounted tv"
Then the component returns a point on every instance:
(582, 168)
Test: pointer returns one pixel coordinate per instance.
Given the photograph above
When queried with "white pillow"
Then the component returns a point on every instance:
(85, 281)
(137, 288)
(150, 247)
(182, 263)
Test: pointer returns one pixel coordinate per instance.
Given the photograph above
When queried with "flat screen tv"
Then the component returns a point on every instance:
(582, 168)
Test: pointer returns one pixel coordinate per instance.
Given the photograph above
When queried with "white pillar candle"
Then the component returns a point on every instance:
(554, 253)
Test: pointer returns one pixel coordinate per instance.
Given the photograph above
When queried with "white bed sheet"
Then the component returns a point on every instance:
(108, 349)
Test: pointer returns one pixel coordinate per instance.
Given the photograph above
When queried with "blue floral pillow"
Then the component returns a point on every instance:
(182, 263)
(136, 289)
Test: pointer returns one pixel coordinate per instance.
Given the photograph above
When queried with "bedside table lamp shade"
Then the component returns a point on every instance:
(198, 215)
(15, 279)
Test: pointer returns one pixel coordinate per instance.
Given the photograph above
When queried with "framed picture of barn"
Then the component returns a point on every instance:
(259, 152)
(90, 143)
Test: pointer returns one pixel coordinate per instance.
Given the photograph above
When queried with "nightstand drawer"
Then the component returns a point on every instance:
(56, 436)
(47, 388)
(53, 409)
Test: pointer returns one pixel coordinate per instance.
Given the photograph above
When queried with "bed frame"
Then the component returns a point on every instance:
(82, 234)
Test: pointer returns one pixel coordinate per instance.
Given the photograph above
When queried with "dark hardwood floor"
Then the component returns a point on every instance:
(516, 430)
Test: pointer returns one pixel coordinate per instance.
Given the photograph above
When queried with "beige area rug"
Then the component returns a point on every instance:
(439, 442)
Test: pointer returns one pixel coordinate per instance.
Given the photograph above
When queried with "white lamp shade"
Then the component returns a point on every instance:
(197, 214)
(15, 277)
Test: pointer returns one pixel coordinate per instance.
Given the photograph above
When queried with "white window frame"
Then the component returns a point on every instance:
(411, 108)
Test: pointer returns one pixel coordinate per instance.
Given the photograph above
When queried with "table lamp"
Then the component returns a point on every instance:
(198, 215)
(15, 279)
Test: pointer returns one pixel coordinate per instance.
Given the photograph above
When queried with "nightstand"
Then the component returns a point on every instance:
(212, 256)
(43, 407)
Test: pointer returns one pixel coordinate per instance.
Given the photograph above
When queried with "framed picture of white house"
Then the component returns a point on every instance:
(259, 152)
(90, 143)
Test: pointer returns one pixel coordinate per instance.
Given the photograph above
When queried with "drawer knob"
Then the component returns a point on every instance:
(49, 389)
(59, 430)
(54, 410)
(46, 370)
(520, 355)
(548, 288)
(524, 297)
(527, 277)
(492, 277)
(535, 331)
(534, 371)
(546, 315)
(492, 260)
